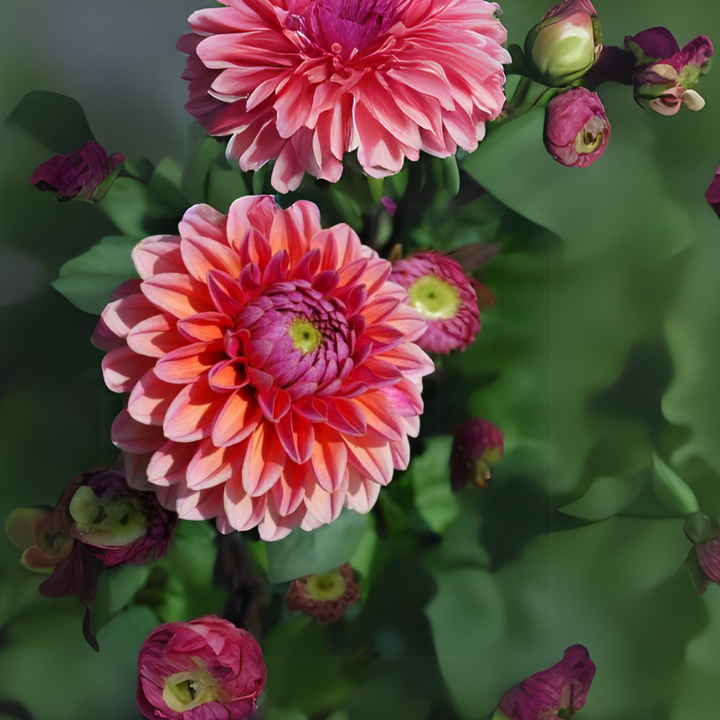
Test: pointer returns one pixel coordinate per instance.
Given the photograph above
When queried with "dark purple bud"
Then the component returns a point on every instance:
(326, 596)
(81, 174)
(713, 193)
(704, 534)
(558, 692)
(477, 445)
(577, 130)
(389, 204)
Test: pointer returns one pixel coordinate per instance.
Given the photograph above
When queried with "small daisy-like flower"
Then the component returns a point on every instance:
(438, 287)
(306, 81)
(326, 596)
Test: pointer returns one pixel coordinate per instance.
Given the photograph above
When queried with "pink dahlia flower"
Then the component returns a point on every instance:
(205, 669)
(271, 367)
(444, 295)
(305, 81)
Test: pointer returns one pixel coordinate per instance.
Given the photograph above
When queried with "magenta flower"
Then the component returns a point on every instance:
(577, 131)
(558, 692)
(712, 195)
(271, 366)
(80, 174)
(111, 524)
(566, 42)
(205, 669)
(477, 445)
(306, 81)
(326, 596)
(438, 287)
(665, 75)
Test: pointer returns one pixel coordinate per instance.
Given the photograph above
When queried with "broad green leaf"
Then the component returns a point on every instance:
(19, 587)
(195, 175)
(308, 553)
(671, 490)
(116, 588)
(606, 497)
(56, 121)
(127, 204)
(89, 280)
(224, 187)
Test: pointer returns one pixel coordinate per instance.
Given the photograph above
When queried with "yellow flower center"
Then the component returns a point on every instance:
(305, 336)
(186, 690)
(587, 141)
(326, 586)
(434, 298)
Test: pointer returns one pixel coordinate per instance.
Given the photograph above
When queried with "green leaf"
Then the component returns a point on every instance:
(165, 183)
(127, 204)
(308, 553)
(195, 175)
(607, 496)
(19, 588)
(224, 187)
(116, 588)
(56, 121)
(89, 280)
(671, 490)
(430, 478)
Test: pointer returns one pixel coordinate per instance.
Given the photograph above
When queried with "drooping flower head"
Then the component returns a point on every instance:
(577, 131)
(477, 445)
(665, 75)
(438, 287)
(271, 366)
(80, 174)
(558, 692)
(110, 524)
(306, 81)
(326, 596)
(205, 669)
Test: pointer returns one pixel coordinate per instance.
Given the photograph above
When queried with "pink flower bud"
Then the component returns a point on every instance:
(438, 287)
(477, 445)
(204, 669)
(712, 195)
(80, 174)
(324, 597)
(577, 130)
(558, 692)
(566, 42)
(665, 75)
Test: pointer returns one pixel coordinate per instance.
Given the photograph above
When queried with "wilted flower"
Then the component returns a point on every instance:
(326, 596)
(558, 692)
(577, 130)
(566, 42)
(712, 195)
(205, 669)
(40, 533)
(111, 524)
(477, 445)
(308, 81)
(271, 366)
(665, 75)
(81, 174)
(438, 287)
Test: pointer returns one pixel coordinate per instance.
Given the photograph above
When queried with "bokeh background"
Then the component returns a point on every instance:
(603, 349)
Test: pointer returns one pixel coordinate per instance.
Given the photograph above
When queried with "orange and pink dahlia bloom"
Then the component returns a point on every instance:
(271, 367)
(305, 81)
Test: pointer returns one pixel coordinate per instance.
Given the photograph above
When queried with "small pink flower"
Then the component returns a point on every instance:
(79, 174)
(665, 75)
(306, 81)
(477, 445)
(558, 692)
(271, 366)
(326, 596)
(444, 295)
(205, 669)
(577, 130)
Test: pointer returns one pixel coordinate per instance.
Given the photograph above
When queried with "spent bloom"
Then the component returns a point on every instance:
(306, 81)
(110, 524)
(558, 692)
(565, 44)
(326, 596)
(40, 533)
(477, 445)
(665, 75)
(438, 287)
(577, 130)
(80, 174)
(271, 366)
(205, 669)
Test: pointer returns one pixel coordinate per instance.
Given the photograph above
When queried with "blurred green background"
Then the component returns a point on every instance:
(603, 349)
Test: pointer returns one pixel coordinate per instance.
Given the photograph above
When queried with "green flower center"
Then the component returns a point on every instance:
(107, 523)
(326, 586)
(186, 690)
(587, 141)
(434, 298)
(305, 336)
